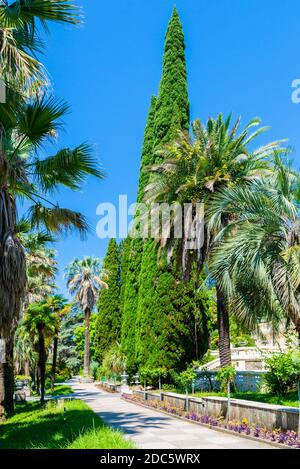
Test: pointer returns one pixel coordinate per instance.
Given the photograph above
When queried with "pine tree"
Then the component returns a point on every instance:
(133, 256)
(108, 323)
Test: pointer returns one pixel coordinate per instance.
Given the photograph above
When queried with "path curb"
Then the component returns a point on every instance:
(211, 427)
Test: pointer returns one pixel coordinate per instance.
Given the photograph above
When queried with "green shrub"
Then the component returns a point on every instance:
(23, 378)
(62, 374)
(185, 379)
(47, 383)
(283, 372)
(226, 376)
(94, 369)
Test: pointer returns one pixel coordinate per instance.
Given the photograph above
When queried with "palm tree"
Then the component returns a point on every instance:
(114, 360)
(20, 40)
(59, 307)
(191, 172)
(41, 323)
(257, 257)
(40, 266)
(23, 350)
(23, 174)
(85, 279)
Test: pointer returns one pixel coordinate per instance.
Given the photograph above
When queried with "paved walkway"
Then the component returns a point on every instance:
(152, 430)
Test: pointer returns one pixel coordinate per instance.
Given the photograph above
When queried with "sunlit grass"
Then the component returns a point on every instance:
(62, 424)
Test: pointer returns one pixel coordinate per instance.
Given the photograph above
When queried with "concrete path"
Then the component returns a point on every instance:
(150, 429)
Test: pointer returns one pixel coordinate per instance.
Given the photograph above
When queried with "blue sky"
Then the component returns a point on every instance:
(242, 56)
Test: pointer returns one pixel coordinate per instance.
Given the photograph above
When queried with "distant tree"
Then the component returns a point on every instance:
(41, 323)
(133, 253)
(85, 280)
(108, 323)
(59, 308)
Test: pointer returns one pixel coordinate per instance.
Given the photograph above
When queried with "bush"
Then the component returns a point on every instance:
(283, 372)
(62, 374)
(225, 376)
(23, 378)
(94, 369)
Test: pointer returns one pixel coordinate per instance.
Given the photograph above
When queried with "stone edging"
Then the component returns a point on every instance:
(212, 427)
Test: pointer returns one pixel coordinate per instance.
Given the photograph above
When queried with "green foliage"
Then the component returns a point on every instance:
(147, 151)
(23, 378)
(186, 377)
(94, 369)
(152, 374)
(165, 323)
(68, 355)
(259, 247)
(132, 255)
(114, 361)
(108, 322)
(128, 337)
(73, 425)
(172, 107)
(171, 318)
(63, 373)
(124, 251)
(226, 376)
(283, 372)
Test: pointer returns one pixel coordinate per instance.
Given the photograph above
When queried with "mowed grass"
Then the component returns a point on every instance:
(59, 390)
(57, 425)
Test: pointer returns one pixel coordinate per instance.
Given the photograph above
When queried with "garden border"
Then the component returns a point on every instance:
(211, 427)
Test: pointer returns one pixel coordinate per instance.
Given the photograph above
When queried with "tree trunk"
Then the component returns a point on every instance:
(9, 376)
(42, 362)
(37, 380)
(54, 360)
(196, 338)
(2, 392)
(86, 365)
(223, 329)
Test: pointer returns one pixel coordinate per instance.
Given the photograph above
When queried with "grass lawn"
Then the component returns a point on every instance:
(57, 426)
(59, 390)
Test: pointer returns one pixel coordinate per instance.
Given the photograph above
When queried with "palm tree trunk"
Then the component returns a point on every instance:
(9, 376)
(37, 380)
(42, 362)
(86, 365)
(12, 280)
(27, 368)
(196, 338)
(223, 328)
(54, 360)
(2, 392)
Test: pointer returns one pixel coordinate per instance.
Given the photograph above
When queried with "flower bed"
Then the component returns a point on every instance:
(288, 438)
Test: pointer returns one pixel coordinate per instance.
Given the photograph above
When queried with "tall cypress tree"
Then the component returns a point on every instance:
(134, 252)
(172, 109)
(124, 250)
(108, 323)
(168, 311)
(164, 322)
